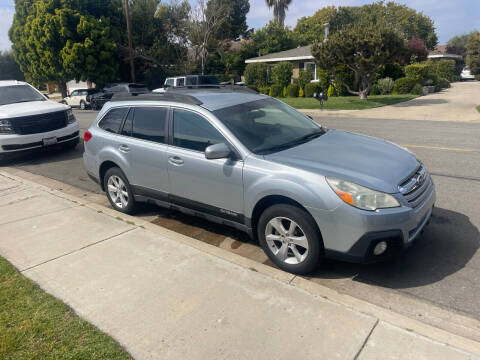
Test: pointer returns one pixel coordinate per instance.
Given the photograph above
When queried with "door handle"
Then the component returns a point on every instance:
(124, 148)
(175, 160)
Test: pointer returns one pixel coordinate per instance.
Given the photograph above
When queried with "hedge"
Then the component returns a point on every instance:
(403, 85)
(276, 90)
(442, 84)
(417, 89)
(256, 74)
(265, 90)
(292, 90)
(416, 72)
(282, 73)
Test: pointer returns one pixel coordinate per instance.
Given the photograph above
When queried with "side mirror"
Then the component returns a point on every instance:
(217, 151)
(166, 86)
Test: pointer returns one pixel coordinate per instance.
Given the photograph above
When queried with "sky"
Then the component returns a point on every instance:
(451, 17)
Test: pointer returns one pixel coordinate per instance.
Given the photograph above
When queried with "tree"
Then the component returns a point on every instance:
(473, 53)
(204, 24)
(458, 45)
(417, 50)
(58, 40)
(236, 22)
(362, 49)
(272, 38)
(279, 9)
(9, 69)
(311, 28)
(282, 73)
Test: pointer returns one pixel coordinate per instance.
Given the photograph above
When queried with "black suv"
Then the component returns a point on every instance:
(99, 99)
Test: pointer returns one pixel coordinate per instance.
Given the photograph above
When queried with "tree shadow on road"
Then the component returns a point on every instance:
(421, 101)
(447, 245)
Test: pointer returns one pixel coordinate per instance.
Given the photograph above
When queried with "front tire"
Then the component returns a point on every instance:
(118, 191)
(83, 106)
(290, 238)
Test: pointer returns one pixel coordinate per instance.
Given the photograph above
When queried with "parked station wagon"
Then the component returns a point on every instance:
(252, 162)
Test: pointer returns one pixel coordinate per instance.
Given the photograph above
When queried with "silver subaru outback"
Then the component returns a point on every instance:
(254, 163)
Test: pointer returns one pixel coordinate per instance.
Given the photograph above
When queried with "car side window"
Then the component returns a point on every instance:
(149, 123)
(181, 82)
(192, 131)
(112, 121)
(74, 93)
(128, 124)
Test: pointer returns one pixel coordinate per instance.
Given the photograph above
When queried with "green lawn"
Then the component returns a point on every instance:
(347, 102)
(478, 108)
(35, 325)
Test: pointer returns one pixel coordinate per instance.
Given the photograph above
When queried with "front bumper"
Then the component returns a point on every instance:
(351, 234)
(10, 143)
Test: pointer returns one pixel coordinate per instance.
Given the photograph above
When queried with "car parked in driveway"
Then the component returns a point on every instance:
(98, 99)
(466, 74)
(252, 162)
(29, 120)
(80, 98)
(187, 80)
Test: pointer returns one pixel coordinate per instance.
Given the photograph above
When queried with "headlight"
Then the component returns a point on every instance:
(70, 117)
(6, 127)
(361, 197)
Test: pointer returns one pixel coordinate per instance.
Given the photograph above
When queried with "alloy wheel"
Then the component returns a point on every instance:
(286, 240)
(117, 191)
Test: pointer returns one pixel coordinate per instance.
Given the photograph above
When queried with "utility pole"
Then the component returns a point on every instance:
(129, 35)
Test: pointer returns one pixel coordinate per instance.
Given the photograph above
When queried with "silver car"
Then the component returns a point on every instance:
(254, 163)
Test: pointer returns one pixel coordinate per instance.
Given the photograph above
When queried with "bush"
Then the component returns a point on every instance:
(284, 92)
(375, 90)
(253, 87)
(256, 74)
(310, 89)
(323, 80)
(331, 91)
(385, 86)
(442, 84)
(276, 90)
(301, 93)
(292, 90)
(282, 73)
(403, 85)
(417, 90)
(416, 72)
(477, 77)
(265, 90)
(445, 69)
(430, 80)
(304, 77)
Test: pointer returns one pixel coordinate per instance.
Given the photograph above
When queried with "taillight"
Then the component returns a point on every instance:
(87, 136)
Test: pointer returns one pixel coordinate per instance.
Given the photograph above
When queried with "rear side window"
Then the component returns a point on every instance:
(149, 123)
(194, 132)
(112, 121)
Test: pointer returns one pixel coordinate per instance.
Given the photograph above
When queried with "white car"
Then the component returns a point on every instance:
(466, 74)
(29, 120)
(187, 80)
(78, 98)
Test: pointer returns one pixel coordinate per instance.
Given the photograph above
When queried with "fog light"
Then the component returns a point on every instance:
(380, 248)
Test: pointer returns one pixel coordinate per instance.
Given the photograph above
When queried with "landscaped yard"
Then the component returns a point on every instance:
(35, 325)
(347, 102)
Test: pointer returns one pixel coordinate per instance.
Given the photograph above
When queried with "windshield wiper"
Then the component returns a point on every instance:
(300, 140)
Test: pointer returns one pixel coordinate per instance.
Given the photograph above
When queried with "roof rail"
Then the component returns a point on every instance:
(219, 87)
(175, 97)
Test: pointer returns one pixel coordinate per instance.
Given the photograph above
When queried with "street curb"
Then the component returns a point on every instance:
(383, 314)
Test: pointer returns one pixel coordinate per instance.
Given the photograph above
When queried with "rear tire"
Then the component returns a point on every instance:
(119, 191)
(290, 238)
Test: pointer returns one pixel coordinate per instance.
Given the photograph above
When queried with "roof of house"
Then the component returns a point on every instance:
(299, 53)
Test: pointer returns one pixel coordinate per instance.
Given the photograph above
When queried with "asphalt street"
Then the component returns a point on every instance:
(443, 268)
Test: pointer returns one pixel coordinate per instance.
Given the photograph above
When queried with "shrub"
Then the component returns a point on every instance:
(265, 90)
(417, 89)
(276, 90)
(331, 91)
(430, 79)
(310, 89)
(403, 85)
(304, 77)
(442, 84)
(323, 80)
(416, 72)
(445, 69)
(292, 90)
(301, 93)
(253, 87)
(256, 74)
(477, 77)
(282, 73)
(375, 90)
(284, 92)
(385, 86)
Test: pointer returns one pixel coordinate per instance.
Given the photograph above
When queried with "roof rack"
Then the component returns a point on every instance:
(175, 97)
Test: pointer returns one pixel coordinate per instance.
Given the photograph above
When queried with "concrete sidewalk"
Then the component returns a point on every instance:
(163, 295)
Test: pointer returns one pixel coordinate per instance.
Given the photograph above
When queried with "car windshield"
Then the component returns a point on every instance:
(268, 125)
(18, 94)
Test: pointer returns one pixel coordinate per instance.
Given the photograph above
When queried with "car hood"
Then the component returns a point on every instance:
(30, 108)
(364, 160)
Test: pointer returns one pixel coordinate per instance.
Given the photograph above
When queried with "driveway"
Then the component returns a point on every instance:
(455, 104)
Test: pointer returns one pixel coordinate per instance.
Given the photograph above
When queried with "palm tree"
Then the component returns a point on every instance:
(279, 8)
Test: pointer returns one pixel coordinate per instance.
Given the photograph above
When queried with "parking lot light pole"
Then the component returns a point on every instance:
(129, 35)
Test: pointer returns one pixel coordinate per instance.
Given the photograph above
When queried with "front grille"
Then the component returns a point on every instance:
(35, 124)
(417, 187)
